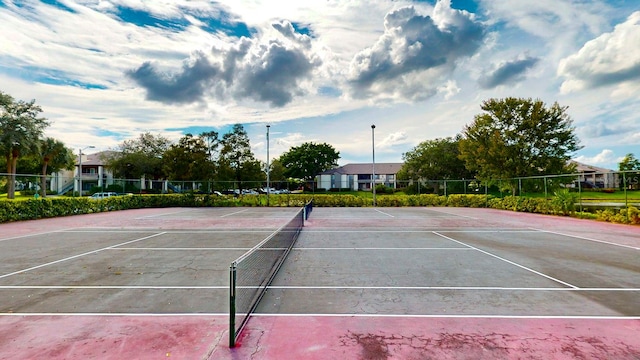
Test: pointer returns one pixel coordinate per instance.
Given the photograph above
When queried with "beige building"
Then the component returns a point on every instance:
(358, 176)
(93, 173)
(596, 177)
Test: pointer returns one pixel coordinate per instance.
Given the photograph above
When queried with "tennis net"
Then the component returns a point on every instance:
(251, 274)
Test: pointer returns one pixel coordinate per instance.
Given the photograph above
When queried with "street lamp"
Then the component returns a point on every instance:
(268, 166)
(80, 168)
(373, 151)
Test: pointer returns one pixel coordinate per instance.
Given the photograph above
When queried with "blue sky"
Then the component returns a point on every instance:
(322, 71)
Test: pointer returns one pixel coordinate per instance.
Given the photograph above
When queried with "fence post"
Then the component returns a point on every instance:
(519, 187)
(624, 182)
(580, 192)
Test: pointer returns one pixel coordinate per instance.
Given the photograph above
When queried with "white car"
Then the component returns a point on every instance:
(103, 195)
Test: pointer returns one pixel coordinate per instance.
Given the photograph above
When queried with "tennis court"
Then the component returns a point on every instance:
(360, 283)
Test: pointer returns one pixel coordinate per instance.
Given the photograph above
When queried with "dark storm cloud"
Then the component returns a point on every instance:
(507, 73)
(273, 78)
(413, 43)
(186, 87)
(596, 80)
(249, 70)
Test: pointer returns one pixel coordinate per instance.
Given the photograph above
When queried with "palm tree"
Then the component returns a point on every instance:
(20, 132)
(55, 156)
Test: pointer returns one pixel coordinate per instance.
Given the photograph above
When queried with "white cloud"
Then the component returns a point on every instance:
(414, 54)
(393, 139)
(609, 59)
(94, 46)
(449, 89)
(605, 157)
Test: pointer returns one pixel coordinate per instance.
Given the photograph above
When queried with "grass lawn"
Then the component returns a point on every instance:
(595, 196)
(587, 196)
(18, 196)
(616, 196)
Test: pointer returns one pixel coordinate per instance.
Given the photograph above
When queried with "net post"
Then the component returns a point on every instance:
(232, 305)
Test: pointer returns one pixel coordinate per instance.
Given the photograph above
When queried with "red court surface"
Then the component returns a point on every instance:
(591, 313)
(308, 337)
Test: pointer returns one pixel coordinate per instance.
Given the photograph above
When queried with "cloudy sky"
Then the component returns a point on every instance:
(322, 70)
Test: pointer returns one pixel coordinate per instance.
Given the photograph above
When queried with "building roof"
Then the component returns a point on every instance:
(352, 169)
(584, 168)
(95, 159)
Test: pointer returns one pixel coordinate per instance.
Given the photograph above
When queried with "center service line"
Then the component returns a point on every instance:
(384, 213)
(508, 261)
(79, 255)
(234, 213)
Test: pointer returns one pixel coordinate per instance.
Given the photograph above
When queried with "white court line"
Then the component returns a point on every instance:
(108, 230)
(448, 213)
(36, 234)
(174, 231)
(528, 230)
(189, 248)
(588, 239)
(456, 288)
(445, 316)
(79, 255)
(508, 261)
(120, 287)
(285, 287)
(384, 213)
(234, 213)
(111, 314)
(380, 248)
(163, 214)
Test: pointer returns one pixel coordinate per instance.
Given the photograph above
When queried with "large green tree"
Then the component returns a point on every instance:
(435, 160)
(236, 161)
(308, 160)
(188, 160)
(629, 162)
(516, 137)
(139, 157)
(21, 129)
(211, 138)
(54, 156)
(276, 171)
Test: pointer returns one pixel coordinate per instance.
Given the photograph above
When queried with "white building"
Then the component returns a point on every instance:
(596, 177)
(93, 172)
(358, 176)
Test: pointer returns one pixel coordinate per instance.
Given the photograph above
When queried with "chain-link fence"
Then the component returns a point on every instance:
(28, 184)
(592, 182)
(585, 184)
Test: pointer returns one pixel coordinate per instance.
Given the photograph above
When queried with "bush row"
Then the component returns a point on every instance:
(54, 207)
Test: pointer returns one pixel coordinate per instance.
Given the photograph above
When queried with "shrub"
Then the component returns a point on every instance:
(564, 202)
(382, 189)
(630, 215)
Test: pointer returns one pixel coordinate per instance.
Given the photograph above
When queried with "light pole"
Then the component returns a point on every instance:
(268, 166)
(373, 151)
(80, 168)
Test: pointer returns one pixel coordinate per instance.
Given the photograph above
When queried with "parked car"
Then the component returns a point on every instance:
(103, 195)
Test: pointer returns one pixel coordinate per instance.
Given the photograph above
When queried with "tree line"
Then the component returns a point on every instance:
(511, 138)
(212, 157)
(24, 146)
(208, 156)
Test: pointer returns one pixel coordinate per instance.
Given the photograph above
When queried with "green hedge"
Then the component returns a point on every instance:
(54, 207)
